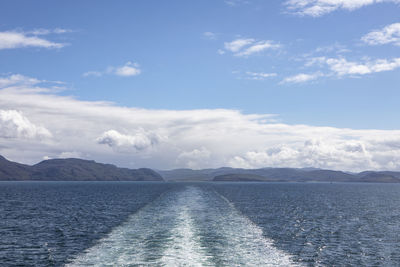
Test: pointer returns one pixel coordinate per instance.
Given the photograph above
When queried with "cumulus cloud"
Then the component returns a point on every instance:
(246, 47)
(194, 158)
(388, 35)
(13, 39)
(139, 141)
(129, 69)
(325, 154)
(165, 139)
(13, 124)
(317, 8)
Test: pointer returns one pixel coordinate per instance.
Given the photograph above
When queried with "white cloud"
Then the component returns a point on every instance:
(129, 69)
(42, 31)
(341, 67)
(247, 47)
(235, 3)
(336, 48)
(302, 78)
(258, 47)
(220, 51)
(194, 158)
(11, 40)
(24, 83)
(69, 154)
(388, 35)
(326, 154)
(237, 44)
(317, 8)
(259, 75)
(165, 139)
(139, 141)
(13, 124)
(17, 79)
(210, 35)
(93, 73)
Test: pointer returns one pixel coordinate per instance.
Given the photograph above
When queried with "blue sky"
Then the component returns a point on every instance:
(181, 68)
(305, 62)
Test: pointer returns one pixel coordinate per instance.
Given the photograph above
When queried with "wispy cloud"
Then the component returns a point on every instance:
(17, 79)
(259, 75)
(388, 35)
(210, 35)
(301, 78)
(23, 83)
(234, 3)
(42, 31)
(129, 69)
(341, 67)
(236, 45)
(334, 48)
(246, 47)
(13, 39)
(317, 8)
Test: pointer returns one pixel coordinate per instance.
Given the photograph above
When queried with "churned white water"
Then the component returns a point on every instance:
(188, 227)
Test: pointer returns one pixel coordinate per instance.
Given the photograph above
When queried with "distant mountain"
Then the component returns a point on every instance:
(279, 175)
(72, 170)
(89, 170)
(239, 178)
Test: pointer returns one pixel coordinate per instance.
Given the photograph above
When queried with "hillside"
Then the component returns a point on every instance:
(72, 170)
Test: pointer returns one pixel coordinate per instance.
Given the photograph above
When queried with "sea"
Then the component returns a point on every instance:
(199, 224)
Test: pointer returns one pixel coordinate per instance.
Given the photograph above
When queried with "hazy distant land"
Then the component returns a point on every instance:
(88, 170)
(279, 175)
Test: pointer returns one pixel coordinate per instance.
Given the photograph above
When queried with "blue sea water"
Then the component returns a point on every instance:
(199, 224)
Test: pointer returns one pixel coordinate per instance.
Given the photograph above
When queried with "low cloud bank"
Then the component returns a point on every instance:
(43, 124)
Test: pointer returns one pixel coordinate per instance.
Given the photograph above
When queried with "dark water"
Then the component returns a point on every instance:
(199, 224)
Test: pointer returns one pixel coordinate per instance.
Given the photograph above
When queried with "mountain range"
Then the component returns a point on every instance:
(88, 170)
(279, 175)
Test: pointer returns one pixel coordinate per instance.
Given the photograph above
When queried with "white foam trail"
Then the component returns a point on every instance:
(245, 244)
(189, 227)
(185, 248)
(133, 243)
(232, 239)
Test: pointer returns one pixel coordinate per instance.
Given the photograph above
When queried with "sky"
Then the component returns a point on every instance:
(199, 84)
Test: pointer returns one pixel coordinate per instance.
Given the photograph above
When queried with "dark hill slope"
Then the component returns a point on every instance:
(12, 171)
(73, 170)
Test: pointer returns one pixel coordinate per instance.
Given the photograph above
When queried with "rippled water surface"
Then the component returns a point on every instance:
(199, 224)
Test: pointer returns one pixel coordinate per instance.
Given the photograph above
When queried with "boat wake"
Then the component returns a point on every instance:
(191, 226)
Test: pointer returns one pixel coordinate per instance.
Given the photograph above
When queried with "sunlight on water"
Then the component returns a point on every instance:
(188, 227)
